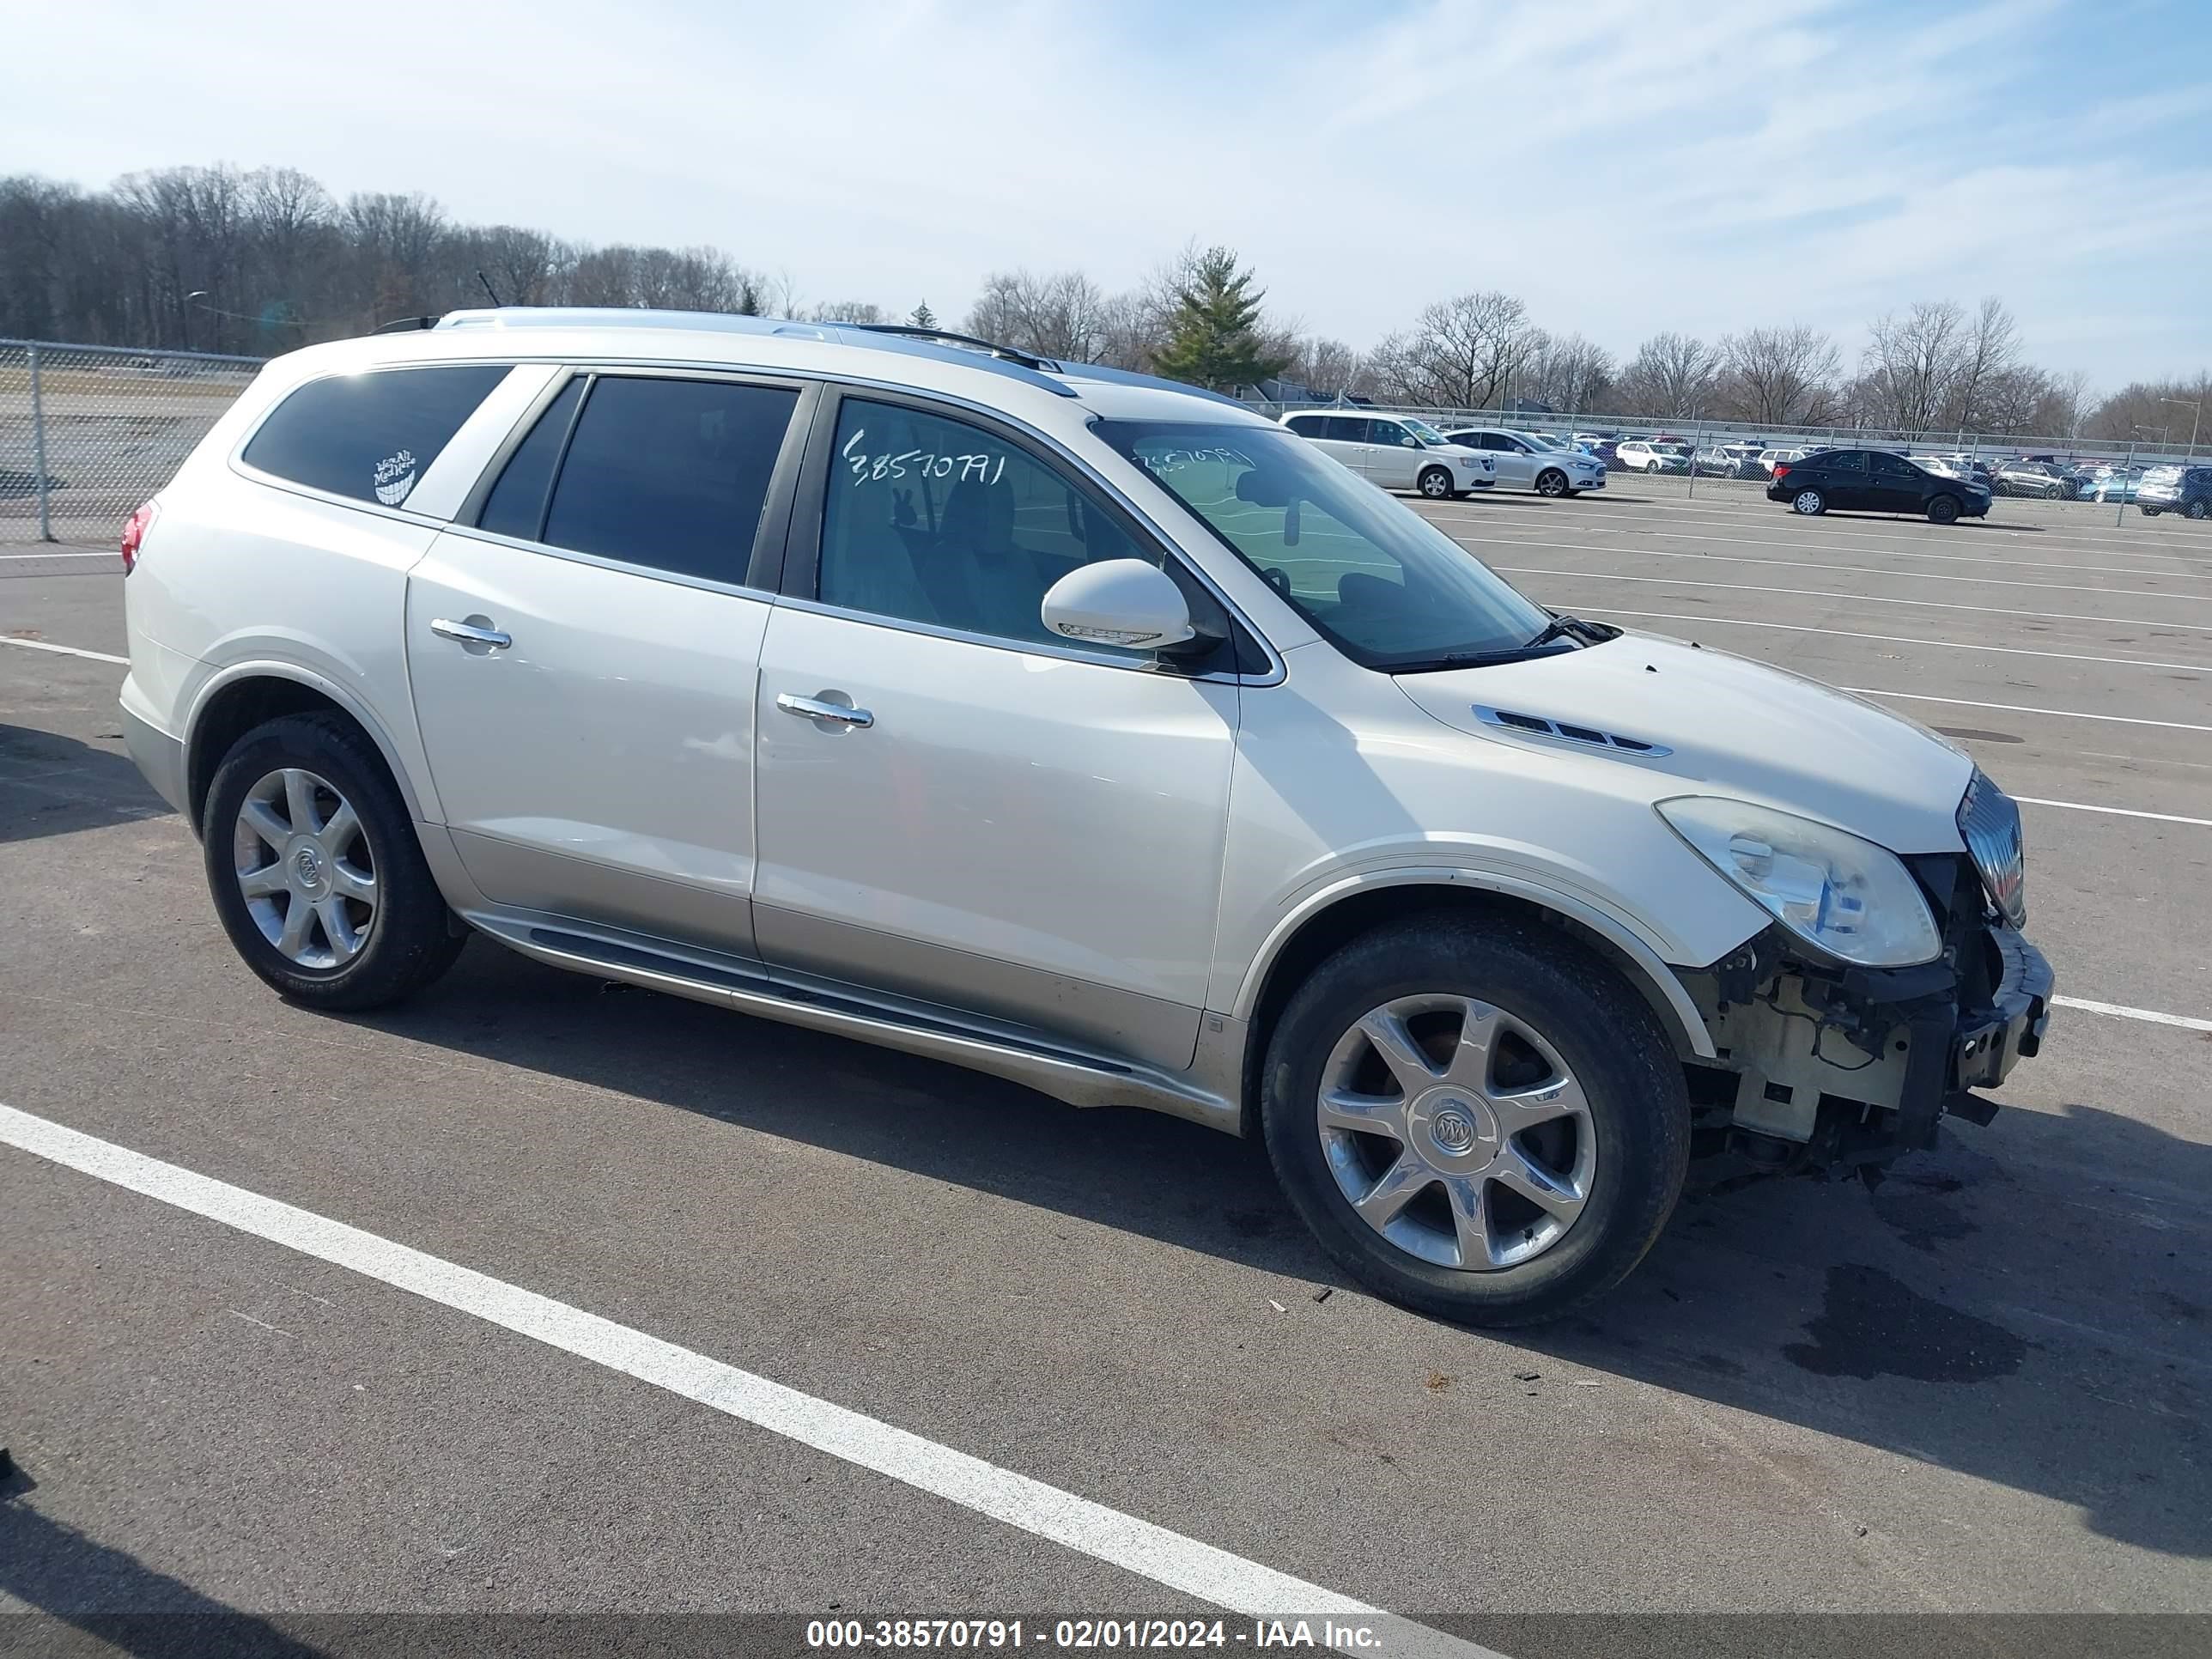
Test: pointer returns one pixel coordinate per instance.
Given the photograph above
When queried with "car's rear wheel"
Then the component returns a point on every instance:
(315, 870)
(1651, 466)
(1434, 482)
(1476, 1120)
(1944, 509)
(2148, 512)
(1810, 502)
(2200, 510)
(1551, 482)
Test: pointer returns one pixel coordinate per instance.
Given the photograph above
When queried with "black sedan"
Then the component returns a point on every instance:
(1874, 481)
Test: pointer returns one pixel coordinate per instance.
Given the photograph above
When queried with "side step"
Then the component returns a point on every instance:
(1078, 1078)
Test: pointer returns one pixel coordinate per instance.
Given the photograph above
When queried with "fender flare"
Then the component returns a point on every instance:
(1660, 982)
(421, 809)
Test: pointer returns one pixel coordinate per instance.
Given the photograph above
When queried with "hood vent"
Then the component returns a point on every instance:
(1589, 735)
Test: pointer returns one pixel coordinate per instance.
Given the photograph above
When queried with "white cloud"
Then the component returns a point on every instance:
(1625, 167)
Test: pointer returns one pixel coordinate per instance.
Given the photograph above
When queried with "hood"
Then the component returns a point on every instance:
(1735, 727)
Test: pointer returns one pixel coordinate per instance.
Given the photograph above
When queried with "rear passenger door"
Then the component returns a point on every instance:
(1843, 478)
(582, 646)
(1394, 455)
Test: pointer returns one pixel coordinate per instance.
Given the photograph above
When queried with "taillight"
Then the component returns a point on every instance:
(134, 534)
(1781, 470)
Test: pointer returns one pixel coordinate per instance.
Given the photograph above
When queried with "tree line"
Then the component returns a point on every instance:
(219, 258)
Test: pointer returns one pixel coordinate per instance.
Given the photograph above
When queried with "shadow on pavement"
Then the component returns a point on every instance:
(51, 785)
(2027, 1305)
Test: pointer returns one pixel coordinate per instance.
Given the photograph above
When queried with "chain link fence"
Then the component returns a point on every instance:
(88, 432)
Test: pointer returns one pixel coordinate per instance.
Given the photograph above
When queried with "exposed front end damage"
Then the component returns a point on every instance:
(1826, 1063)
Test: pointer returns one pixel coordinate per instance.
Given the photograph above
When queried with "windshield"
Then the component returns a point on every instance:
(1379, 581)
(1421, 430)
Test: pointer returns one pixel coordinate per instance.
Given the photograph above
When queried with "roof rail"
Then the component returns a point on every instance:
(404, 325)
(1131, 376)
(915, 332)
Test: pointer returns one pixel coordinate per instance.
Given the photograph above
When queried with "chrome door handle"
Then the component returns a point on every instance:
(815, 708)
(469, 634)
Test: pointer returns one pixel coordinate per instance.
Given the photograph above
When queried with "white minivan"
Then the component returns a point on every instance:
(1396, 452)
(1069, 726)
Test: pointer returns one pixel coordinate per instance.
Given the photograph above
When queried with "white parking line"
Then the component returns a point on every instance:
(1851, 569)
(1858, 598)
(1911, 639)
(63, 650)
(2184, 1021)
(1152, 1552)
(2022, 708)
(2116, 811)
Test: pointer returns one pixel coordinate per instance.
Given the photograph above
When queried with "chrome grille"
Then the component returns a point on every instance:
(1990, 825)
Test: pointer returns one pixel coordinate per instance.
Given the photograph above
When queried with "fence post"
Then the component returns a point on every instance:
(39, 451)
(2120, 515)
(1697, 442)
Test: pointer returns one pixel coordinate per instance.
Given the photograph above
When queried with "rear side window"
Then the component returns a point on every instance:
(1346, 429)
(370, 436)
(669, 473)
(516, 506)
(1842, 460)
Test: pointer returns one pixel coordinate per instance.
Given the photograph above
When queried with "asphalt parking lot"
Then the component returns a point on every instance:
(1979, 1387)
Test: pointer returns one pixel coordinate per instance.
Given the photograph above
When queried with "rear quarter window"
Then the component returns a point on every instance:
(371, 436)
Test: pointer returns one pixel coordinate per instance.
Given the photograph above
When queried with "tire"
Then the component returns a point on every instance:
(375, 949)
(1651, 466)
(1811, 503)
(2148, 512)
(1552, 482)
(1633, 1118)
(1943, 509)
(2200, 509)
(1434, 482)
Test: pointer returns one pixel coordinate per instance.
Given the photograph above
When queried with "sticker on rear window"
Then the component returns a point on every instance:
(395, 476)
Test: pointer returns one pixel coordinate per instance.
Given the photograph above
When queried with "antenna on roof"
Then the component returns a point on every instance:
(486, 281)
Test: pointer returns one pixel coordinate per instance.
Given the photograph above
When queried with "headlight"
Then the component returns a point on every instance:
(1848, 897)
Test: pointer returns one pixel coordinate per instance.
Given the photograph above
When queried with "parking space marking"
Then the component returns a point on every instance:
(1853, 569)
(1858, 598)
(1879, 552)
(1912, 638)
(2116, 811)
(63, 650)
(1181, 1562)
(2187, 1022)
(2022, 708)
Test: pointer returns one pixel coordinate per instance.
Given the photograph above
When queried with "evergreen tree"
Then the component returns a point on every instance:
(1213, 338)
(923, 317)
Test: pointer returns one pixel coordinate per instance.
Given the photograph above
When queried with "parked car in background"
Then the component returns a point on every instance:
(1532, 461)
(2109, 483)
(1395, 452)
(939, 700)
(2036, 479)
(1874, 480)
(1643, 455)
(1768, 459)
(2184, 490)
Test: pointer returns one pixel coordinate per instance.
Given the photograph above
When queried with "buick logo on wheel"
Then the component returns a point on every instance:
(1454, 1129)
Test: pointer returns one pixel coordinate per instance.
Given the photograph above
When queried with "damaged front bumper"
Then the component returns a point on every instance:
(1821, 1063)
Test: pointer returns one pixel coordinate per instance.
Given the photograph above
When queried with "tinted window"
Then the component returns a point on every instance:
(1387, 432)
(1842, 460)
(1309, 426)
(516, 506)
(1888, 466)
(1382, 583)
(370, 436)
(669, 473)
(1495, 440)
(1348, 428)
(934, 520)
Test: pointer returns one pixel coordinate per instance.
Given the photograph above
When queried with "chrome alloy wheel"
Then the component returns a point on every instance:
(304, 868)
(1457, 1132)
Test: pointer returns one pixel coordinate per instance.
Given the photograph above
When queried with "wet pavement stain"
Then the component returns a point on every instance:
(1873, 1324)
(1922, 1220)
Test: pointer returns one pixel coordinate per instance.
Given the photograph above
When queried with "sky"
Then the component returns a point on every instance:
(1623, 166)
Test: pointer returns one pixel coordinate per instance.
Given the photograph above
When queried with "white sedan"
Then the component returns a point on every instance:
(1534, 460)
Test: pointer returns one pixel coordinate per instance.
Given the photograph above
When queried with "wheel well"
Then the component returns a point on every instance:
(236, 709)
(1361, 912)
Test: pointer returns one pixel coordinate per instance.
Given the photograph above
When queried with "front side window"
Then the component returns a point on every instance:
(1387, 432)
(1381, 583)
(931, 519)
(370, 436)
(1421, 430)
(669, 473)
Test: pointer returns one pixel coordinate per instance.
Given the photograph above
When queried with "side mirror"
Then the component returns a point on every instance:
(1123, 602)
(1409, 441)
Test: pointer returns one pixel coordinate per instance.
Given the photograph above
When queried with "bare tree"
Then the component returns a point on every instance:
(1671, 377)
(1572, 374)
(1328, 368)
(847, 311)
(1064, 315)
(1463, 353)
(1780, 376)
(1912, 365)
(2141, 406)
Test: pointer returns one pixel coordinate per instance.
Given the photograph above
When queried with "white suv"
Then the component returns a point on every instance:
(1396, 452)
(1069, 726)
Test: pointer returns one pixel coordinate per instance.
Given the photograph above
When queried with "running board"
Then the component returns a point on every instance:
(1080, 1079)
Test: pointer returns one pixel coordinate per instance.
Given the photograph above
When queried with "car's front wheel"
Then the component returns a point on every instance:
(2200, 510)
(314, 868)
(1434, 482)
(1476, 1120)
(1551, 482)
(1651, 466)
(1810, 502)
(1944, 509)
